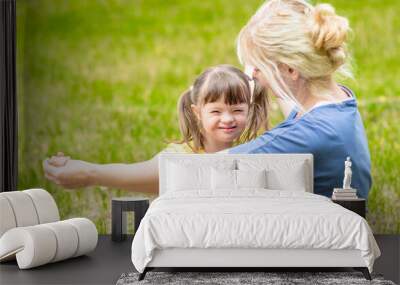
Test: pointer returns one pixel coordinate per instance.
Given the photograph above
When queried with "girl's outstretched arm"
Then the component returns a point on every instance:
(138, 177)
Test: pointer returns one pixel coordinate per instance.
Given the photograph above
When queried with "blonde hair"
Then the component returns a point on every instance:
(311, 40)
(231, 84)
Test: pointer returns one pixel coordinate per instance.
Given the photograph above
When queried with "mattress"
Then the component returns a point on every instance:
(250, 219)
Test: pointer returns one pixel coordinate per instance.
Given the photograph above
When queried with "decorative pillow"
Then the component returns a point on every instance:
(223, 179)
(251, 178)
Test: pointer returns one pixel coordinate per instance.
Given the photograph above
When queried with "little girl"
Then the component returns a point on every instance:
(221, 109)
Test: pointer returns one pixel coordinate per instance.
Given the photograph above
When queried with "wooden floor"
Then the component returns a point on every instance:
(102, 266)
(111, 259)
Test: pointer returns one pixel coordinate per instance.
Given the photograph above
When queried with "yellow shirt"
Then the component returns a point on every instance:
(179, 148)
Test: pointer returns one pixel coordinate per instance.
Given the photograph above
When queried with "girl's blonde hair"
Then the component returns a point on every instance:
(311, 40)
(230, 84)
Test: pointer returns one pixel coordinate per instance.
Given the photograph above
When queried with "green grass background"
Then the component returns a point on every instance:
(100, 80)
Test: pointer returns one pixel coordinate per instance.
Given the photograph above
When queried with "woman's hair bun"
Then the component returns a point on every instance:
(328, 30)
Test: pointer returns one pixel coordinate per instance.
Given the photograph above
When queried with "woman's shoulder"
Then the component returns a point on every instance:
(294, 135)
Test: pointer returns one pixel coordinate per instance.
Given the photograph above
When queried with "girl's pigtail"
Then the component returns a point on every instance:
(188, 122)
(258, 113)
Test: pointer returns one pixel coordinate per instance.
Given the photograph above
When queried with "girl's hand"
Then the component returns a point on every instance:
(59, 160)
(69, 173)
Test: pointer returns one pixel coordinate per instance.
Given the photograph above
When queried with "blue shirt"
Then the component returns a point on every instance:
(330, 132)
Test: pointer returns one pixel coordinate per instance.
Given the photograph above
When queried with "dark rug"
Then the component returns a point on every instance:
(229, 278)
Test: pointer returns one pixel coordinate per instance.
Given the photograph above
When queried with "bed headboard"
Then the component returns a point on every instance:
(286, 171)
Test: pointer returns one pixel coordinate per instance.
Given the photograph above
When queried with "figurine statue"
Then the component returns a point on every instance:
(347, 174)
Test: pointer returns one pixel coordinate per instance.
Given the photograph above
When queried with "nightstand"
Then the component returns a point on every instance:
(356, 205)
(119, 207)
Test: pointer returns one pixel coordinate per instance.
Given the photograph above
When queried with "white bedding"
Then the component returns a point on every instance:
(250, 219)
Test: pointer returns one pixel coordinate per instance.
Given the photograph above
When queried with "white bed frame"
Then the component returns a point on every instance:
(249, 257)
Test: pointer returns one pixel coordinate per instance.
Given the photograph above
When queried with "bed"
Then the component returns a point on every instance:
(224, 210)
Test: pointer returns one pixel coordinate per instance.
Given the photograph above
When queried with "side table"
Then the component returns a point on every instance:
(356, 205)
(119, 207)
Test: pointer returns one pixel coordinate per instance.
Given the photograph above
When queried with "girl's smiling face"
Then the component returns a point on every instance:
(221, 124)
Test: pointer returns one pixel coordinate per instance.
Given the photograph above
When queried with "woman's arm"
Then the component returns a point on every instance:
(138, 177)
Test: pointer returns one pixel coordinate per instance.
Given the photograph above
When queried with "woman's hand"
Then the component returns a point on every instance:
(68, 173)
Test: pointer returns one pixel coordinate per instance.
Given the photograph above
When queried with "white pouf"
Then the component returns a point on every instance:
(31, 233)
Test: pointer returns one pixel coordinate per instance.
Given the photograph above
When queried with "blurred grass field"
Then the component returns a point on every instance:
(100, 80)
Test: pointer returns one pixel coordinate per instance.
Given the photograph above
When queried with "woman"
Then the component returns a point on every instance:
(294, 50)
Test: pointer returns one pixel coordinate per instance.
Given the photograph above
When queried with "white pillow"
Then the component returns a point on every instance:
(281, 175)
(295, 180)
(251, 178)
(185, 175)
(222, 179)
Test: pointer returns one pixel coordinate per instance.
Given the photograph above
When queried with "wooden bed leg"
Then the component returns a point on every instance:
(143, 274)
(364, 271)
